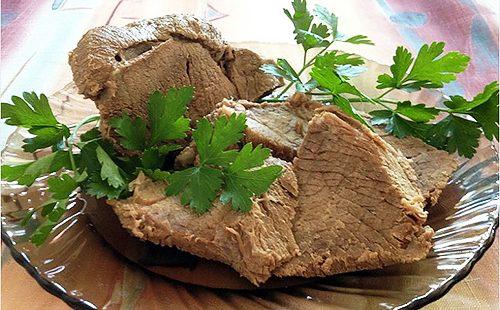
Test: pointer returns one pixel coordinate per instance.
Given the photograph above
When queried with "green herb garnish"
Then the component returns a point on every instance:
(236, 173)
(101, 170)
(460, 121)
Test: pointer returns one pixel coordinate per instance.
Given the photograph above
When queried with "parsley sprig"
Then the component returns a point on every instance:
(34, 113)
(456, 127)
(315, 35)
(101, 169)
(237, 175)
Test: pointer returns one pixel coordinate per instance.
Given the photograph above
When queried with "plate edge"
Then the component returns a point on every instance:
(47, 285)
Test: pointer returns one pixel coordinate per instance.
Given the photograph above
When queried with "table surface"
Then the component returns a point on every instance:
(37, 35)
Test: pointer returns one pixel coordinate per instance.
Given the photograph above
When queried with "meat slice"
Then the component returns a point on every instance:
(279, 126)
(282, 126)
(119, 67)
(432, 166)
(253, 243)
(357, 208)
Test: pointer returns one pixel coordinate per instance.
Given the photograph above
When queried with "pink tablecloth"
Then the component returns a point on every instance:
(470, 26)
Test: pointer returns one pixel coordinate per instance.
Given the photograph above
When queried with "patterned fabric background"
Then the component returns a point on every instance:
(466, 25)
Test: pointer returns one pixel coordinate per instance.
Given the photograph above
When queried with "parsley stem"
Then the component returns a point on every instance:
(353, 99)
(304, 67)
(70, 141)
(375, 101)
(310, 62)
(71, 158)
(86, 120)
(285, 89)
(385, 93)
(370, 100)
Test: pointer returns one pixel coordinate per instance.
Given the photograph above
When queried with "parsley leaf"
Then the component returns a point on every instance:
(336, 58)
(26, 174)
(95, 186)
(110, 172)
(430, 65)
(199, 186)
(31, 112)
(402, 62)
(359, 39)
(345, 64)
(281, 69)
(242, 180)
(328, 18)
(212, 140)
(418, 113)
(62, 186)
(431, 69)
(45, 137)
(301, 18)
(34, 113)
(454, 133)
(306, 33)
(166, 114)
(166, 120)
(133, 132)
(330, 80)
(316, 37)
(483, 108)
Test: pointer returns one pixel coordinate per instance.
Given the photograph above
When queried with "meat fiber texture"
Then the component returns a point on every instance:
(282, 127)
(432, 166)
(347, 205)
(357, 208)
(253, 243)
(119, 67)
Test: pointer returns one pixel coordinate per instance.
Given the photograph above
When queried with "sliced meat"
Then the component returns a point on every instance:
(282, 126)
(279, 126)
(432, 166)
(250, 83)
(253, 243)
(119, 67)
(357, 208)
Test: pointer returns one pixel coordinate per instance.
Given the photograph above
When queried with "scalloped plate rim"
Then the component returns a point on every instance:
(78, 303)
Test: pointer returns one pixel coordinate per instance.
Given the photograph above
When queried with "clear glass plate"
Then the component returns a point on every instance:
(77, 265)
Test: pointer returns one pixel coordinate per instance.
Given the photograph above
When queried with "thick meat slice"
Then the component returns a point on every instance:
(279, 126)
(119, 67)
(253, 243)
(357, 208)
(432, 166)
(282, 126)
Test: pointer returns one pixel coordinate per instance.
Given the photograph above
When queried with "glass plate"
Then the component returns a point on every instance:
(78, 266)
